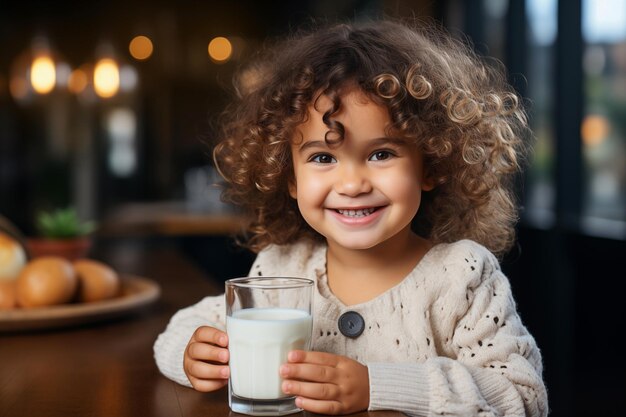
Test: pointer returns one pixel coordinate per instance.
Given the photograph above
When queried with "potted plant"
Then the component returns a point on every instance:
(61, 233)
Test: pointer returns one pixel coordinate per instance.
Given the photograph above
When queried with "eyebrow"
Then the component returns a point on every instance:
(312, 144)
(373, 143)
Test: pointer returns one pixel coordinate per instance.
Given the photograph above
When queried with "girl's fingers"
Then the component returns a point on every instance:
(311, 390)
(203, 370)
(308, 372)
(206, 352)
(204, 385)
(211, 335)
(319, 406)
(317, 358)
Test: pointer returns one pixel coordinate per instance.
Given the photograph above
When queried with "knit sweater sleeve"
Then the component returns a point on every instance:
(487, 362)
(170, 345)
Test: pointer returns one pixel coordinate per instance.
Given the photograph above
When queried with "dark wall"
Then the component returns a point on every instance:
(570, 293)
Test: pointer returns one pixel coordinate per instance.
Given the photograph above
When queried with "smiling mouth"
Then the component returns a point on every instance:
(357, 213)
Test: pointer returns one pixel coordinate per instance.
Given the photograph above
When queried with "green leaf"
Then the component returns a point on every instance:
(63, 223)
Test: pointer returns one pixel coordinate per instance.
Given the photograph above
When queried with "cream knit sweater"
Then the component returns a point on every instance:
(446, 341)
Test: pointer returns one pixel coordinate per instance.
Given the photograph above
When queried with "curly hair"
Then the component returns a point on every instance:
(458, 109)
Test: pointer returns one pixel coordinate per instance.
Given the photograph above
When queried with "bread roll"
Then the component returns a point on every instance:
(12, 257)
(46, 281)
(8, 299)
(96, 280)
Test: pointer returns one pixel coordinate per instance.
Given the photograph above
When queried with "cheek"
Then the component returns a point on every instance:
(311, 196)
(402, 189)
(311, 190)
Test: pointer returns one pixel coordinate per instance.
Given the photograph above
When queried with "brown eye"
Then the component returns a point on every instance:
(323, 158)
(380, 156)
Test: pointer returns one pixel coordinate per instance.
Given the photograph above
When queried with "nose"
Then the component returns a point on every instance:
(353, 181)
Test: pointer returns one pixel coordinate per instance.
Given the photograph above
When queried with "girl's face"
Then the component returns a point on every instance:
(367, 189)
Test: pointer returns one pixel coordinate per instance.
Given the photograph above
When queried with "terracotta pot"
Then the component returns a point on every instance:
(71, 248)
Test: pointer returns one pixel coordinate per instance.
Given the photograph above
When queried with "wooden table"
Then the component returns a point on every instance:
(108, 369)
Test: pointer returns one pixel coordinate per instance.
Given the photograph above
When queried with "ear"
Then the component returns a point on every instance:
(428, 184)
(292, 187)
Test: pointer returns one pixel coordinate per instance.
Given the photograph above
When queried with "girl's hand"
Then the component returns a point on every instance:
(325, 383)
(204, 357)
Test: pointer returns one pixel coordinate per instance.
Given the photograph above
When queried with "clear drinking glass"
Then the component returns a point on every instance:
(266, 318)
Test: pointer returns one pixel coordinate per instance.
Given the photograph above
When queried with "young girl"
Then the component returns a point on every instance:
(377, 159)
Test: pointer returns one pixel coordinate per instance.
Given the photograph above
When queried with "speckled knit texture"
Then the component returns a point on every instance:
(445, 341)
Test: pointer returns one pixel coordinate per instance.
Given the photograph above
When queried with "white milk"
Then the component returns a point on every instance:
(259, 341)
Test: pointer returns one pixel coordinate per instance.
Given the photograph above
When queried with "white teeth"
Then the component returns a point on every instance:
(357, 213)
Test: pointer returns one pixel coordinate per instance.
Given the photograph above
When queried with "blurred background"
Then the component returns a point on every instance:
(111, 107)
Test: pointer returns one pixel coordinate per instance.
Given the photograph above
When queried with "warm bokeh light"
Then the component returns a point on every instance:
(220, 49)
(594, 129)
(43, 74)
(106, 78)
(140, 47)
(78, 81)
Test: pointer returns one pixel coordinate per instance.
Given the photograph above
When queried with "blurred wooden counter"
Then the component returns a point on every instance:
(171, 218)
(108, 369)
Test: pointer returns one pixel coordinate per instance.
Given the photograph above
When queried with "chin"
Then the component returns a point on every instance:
(355, 243)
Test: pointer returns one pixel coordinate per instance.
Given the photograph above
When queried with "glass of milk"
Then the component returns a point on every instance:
(266, 317)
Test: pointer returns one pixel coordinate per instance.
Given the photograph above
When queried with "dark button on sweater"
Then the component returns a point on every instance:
(351, 324)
